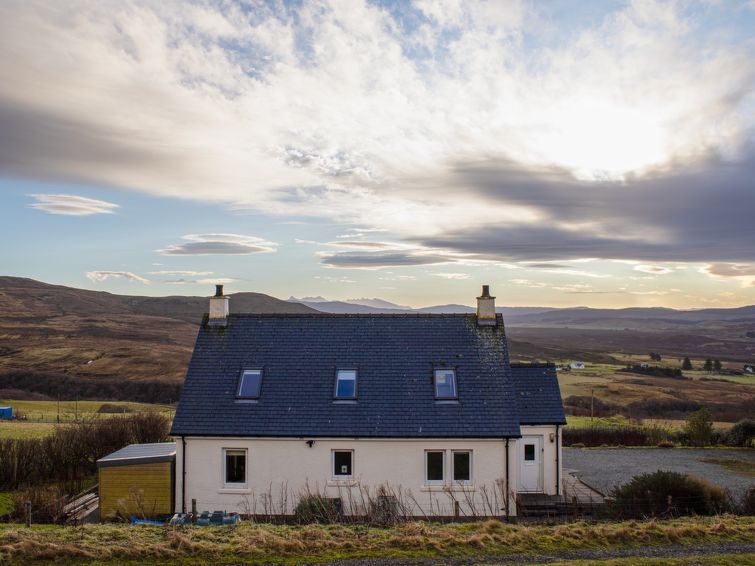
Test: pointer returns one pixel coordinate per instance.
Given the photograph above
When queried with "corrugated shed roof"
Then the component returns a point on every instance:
(140, 454)
(538, 394)
(394, 355)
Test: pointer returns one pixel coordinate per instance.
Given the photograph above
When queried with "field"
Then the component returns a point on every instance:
(729, 400)
(264, 543)
(70, 411)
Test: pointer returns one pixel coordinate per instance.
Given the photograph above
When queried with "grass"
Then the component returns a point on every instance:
(70, 410)
(739, 467)
(6, 502)
(23, 429)
(714, 559)
(264, 543)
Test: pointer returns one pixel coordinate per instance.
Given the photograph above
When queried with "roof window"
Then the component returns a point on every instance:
(346, 384)
(249, 384)
(445, 384)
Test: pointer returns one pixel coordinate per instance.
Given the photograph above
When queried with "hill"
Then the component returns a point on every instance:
(58, 340)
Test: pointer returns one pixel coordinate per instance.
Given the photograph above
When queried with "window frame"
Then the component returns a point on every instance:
(441, 481)
(455, 396)
(235, 485)
(241, 383)
(341, 477)
(338, 397)
(468, 481)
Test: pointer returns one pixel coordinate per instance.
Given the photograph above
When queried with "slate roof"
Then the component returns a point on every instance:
(140, 454)
(538, 394)
(394, 355)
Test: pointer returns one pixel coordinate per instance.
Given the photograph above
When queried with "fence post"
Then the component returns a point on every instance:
(28, 513)
(456, 510)
(193, 511)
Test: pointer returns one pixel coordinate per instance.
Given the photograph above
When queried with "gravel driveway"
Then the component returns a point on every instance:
(606, 468)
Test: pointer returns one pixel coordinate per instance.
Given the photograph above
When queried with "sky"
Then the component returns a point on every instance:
(567, 153)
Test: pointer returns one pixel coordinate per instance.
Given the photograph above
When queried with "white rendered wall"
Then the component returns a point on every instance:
(550, 475)
(278, 470)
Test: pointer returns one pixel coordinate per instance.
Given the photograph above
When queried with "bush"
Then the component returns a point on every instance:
(665, 444)
(748, 502)
(47, 503)
(699, 428)
(316, 508)
(668, 494)
(741, 434)
(71, 452)
(614, 436)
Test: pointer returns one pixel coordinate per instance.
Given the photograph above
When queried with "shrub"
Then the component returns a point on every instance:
(668, 494)
(47, 503)
(748, 502)
(316, 508)
(665, 444)
(742, 433)
(699, 428)
(615, 435)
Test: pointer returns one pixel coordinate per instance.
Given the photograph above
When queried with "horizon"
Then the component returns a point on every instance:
(569, 154)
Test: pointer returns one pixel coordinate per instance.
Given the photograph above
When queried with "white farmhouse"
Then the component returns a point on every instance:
(423, 408)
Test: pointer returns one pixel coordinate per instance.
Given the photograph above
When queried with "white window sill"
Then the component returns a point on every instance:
(343, 483)
(235, 489)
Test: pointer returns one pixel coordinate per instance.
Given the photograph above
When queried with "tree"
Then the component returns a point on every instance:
(717, 365)
(708, 365)
(699, 428)
(687, 364)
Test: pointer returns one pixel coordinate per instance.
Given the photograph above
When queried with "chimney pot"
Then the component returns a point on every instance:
(486, 308)
(218, 290)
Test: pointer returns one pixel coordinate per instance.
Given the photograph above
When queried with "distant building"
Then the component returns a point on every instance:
(577, 365)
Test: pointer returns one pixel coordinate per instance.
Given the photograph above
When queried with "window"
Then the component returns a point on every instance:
(462, 462)
(343, 464)
(235, 466)
(529, 452)
(346, 384)
(249, 384)
(434, 466)
(445, 384)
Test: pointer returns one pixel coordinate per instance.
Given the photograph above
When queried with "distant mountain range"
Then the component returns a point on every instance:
(540, 315)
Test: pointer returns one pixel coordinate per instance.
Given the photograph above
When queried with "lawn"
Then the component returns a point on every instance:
(69, 411)
(264, 543)
(24, 429)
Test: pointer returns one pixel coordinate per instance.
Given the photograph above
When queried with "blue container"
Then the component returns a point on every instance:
(6, 412)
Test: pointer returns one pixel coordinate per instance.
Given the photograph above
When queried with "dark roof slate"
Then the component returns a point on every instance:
(538, 394)
(394, 355)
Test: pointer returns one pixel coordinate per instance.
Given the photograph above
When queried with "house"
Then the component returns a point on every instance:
(424, 410)
(577, 365)
(748, 369)
(138, 480)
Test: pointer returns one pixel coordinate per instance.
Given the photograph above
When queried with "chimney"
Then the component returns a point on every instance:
(486, 308)
(218, 307)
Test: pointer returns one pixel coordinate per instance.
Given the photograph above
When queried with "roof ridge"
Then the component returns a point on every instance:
(351, 315)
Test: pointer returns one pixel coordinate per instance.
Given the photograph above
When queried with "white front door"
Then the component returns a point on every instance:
(531, 463)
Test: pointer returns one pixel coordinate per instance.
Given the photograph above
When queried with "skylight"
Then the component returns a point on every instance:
(445, 384)
(346, 384)
(249, 384)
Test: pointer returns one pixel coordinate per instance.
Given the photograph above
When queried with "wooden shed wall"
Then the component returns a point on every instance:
(136, 489)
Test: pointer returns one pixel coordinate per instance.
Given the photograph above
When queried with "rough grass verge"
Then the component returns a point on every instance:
(265, 543)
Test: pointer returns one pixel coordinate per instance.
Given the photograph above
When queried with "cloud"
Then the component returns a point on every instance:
(382, 259)
(654, 269)
(219, 244)
(472, 127)
(71, 205)
(456, 276)
(742, 272)
(216, 281)
(180, 273)
(101, 276)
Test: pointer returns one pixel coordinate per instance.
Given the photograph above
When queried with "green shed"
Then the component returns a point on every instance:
(138, 480)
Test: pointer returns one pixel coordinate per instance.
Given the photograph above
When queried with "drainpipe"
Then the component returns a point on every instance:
(183, 474)
(558, 465)
(506, 495)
